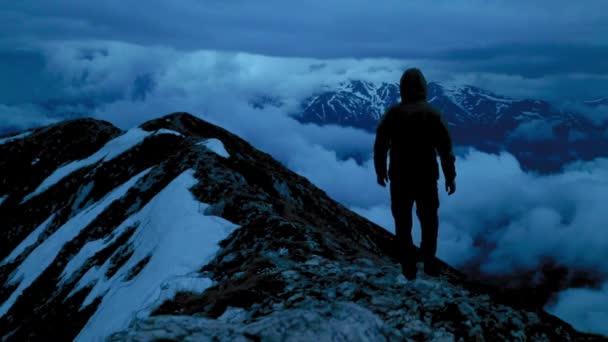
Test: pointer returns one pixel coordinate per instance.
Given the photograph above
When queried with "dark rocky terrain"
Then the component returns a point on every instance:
(179, 230)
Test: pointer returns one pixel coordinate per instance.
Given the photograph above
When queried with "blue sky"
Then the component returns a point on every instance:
(129, 61)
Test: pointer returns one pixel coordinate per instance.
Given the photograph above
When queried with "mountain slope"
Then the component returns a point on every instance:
(540, 135)
(178, 229)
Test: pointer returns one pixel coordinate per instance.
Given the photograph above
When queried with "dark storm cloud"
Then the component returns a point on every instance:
(322, 29)
(531, 60)
(559, 43)
(23, 77)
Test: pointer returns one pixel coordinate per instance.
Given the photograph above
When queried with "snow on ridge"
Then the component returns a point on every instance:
(110, 150)
(499, 110)
(526, 115)
(599, 100)
(178, 241)
(216, 146)
(456, 91)
(28, 241)
(41, 257)
(497, 99)
(15, 137)
(453, 92)
(187, 283)
(167, 131)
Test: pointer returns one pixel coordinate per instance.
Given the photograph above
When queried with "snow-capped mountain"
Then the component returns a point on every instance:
(596, 102)
(539, 134)
(179, 230)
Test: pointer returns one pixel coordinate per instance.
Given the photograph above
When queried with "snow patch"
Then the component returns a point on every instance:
(499, 109)
(89, 250)
(596, 101)
(14, 137)
(282, 188)
(496, 99)
(188, 283)
(29, 241)
(167, 131)
(110, 150)
(41, 257)
(177, 238)
(527, 115)
(83, 192)
(454, 93)
(216, 146)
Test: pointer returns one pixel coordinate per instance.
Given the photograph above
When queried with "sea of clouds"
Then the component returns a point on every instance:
(502, 221)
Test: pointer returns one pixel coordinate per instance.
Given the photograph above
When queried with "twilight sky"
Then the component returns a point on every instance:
(554, 49)
(129, 61)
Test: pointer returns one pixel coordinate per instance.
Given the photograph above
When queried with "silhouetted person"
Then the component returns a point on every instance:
(413, 131)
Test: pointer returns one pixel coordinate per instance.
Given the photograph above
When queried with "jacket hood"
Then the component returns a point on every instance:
(412, 86)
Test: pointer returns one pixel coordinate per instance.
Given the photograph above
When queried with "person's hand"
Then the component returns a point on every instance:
(450, 186)
(382, 179)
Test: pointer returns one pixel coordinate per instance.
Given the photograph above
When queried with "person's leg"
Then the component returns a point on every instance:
(402, 202)
(427, 204)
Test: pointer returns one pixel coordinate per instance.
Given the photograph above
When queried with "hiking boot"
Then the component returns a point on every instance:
(409, 270)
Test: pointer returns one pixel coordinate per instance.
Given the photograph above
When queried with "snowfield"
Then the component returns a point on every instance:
(14, 137)
(39, 259)
(178, 240)
(111, 150)
(216, 146)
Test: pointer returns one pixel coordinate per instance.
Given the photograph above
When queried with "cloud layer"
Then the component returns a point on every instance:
(343, 28)
(550, 49)
(70, 78)
(502, 220)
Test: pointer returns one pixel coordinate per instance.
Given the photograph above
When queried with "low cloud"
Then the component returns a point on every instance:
(502, 220)
(596, 114)
(22, 117)
(585, 309)
(533, 131)
(557, 88)
(506, 223)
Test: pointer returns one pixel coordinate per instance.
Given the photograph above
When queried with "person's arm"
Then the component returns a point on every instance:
(446, 155)
(381, 147)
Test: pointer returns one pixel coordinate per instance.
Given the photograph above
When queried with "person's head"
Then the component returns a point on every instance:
(412, 86)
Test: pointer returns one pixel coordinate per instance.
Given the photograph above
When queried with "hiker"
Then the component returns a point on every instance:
(413, 131)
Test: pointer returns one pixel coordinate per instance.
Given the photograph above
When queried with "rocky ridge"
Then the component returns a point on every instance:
(180, 230)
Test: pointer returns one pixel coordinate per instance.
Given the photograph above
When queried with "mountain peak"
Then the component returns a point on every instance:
(179, 229)
(184, 123)
(476, 117)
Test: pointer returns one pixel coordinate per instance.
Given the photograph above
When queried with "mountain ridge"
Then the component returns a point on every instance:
(540, 135)
(280, 251)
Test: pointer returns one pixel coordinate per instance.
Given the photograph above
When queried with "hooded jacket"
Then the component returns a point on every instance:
(414, 132)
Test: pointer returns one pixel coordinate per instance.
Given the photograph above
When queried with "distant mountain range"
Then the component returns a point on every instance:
(542, 136)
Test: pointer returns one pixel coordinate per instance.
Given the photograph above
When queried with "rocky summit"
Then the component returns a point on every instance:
(179, 230)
